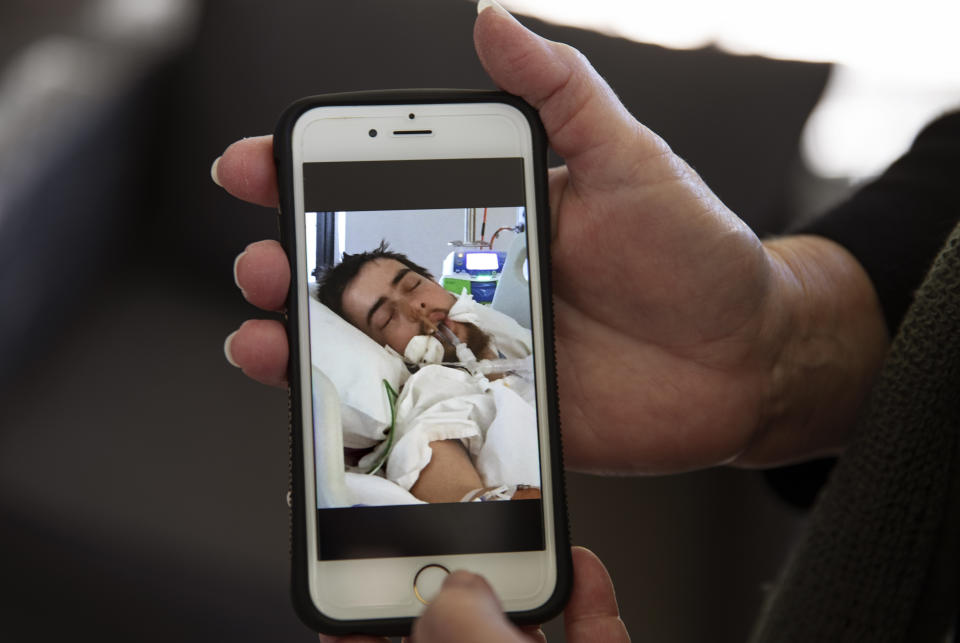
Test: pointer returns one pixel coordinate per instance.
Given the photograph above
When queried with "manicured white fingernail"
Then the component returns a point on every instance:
(483, 5)
(213, 171)
(236, 262)
(226, 349)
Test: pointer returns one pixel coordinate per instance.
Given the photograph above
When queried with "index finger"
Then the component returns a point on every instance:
(247, 171)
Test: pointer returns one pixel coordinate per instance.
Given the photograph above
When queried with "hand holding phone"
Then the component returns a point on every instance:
(638, 233)
(645, 259)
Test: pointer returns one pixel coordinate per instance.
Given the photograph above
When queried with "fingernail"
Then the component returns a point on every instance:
(226, 349)
(483, 5)
(236, 262)
(213, 171)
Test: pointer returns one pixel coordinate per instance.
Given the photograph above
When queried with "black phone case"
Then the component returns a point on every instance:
(299, 511)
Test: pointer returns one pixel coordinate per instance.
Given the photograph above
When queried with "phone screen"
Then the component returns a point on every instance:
(426, 424)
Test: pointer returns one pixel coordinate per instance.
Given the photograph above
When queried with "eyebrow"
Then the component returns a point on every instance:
(400, 275)
(396, 279)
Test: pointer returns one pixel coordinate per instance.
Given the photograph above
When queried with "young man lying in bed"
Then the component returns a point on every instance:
(465, 422)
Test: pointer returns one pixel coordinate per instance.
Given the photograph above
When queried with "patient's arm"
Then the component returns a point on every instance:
(449, 476)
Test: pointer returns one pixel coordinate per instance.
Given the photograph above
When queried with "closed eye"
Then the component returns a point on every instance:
(389, 319)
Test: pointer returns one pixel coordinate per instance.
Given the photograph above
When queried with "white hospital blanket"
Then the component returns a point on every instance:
(508, 338)
(494, 421)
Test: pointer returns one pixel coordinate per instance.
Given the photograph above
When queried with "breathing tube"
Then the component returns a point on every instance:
(429, 349)
(444, 334)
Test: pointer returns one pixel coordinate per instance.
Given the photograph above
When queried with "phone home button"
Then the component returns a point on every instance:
(427, 582)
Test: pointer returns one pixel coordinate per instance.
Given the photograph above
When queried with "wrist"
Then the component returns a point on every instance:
(829, 342)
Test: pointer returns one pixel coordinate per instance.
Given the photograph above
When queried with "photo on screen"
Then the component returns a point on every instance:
(422, 358)
(424, 340)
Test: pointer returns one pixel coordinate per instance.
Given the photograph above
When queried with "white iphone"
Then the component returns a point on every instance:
(423, 410)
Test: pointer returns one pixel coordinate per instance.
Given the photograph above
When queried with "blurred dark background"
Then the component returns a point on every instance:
(143, 479)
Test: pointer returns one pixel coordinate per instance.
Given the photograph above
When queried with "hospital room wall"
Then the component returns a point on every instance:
(422, 235)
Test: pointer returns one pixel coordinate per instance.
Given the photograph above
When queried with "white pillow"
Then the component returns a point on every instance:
(357, 366)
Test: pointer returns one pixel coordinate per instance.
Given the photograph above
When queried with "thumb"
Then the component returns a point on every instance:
(466, 610)
(592, 613)
(584, 120)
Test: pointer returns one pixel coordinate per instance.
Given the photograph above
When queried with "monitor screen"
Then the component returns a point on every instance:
(482, 261)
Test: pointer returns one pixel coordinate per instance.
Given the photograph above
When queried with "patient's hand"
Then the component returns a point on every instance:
(682, 340)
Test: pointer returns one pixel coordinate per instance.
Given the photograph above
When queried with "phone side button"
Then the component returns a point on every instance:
(428, 581)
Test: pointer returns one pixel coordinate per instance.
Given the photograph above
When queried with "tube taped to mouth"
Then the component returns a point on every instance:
(447, 335)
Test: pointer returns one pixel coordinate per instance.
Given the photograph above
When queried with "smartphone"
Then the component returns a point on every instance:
(423, 412)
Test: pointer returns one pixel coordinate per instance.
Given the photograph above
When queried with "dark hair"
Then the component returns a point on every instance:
(335, 279)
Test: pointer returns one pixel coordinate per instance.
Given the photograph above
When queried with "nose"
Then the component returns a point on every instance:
(416, 310)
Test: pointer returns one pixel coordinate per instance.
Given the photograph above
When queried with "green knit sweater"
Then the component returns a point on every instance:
(879, 559)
